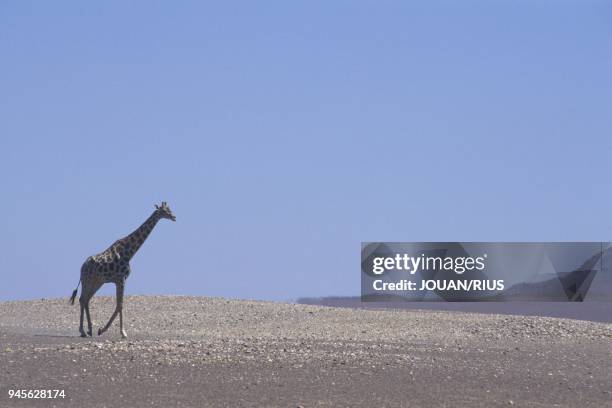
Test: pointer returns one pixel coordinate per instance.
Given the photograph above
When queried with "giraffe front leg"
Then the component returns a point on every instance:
(120, 290)
(110, 321)
(123, 333)
(119, 286)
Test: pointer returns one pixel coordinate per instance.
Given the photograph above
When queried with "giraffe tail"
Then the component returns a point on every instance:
(74, 293)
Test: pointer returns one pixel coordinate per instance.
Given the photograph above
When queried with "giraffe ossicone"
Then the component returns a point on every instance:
(113, 266)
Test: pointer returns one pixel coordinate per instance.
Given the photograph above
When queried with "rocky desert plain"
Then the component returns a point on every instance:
(214, 352)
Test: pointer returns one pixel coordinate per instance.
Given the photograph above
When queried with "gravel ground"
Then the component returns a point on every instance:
(196, 351)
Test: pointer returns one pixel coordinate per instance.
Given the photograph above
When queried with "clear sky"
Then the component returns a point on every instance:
(283, 134)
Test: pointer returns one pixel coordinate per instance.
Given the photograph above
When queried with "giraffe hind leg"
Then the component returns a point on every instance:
(87, 292)
(89, 324)
(81, 324)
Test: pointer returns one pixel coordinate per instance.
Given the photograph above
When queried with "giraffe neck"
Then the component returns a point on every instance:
(133, 242)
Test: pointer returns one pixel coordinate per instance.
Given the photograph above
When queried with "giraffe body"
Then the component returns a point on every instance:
(113, 266)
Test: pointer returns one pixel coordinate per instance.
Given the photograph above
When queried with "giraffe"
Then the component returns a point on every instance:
(113, 266)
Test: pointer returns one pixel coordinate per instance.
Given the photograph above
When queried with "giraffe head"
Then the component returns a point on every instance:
(164, 211)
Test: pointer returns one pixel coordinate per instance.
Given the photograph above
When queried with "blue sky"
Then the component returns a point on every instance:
(283, 134)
